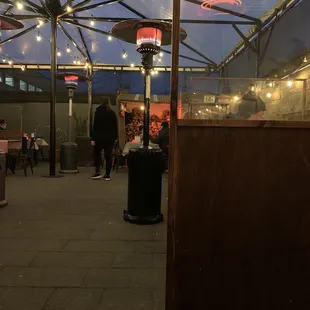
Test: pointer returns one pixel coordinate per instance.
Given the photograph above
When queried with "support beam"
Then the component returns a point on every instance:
(230, 12)
(96, 67)
(183, 21)
(84, 43)
(72, 40)
(163, 50)
(24, 17)
(245, 39)
(18, 35)
(183, 43)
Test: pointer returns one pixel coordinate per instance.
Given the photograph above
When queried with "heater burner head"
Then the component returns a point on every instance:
(8, 23)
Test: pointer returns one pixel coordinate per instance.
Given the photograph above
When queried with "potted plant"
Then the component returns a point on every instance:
(83, 141)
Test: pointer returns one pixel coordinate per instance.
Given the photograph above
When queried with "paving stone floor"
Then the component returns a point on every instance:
(64, 246)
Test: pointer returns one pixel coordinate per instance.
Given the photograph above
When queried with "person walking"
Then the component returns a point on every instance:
(105, 133)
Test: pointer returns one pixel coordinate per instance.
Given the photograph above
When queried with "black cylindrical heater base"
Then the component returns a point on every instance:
(3, 202)
(145, 169)
(69, 158)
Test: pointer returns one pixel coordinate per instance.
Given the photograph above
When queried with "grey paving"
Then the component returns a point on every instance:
(64, 245)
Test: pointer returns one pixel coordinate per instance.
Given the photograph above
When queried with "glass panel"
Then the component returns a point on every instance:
(9, 80)
(245, 99)
(31, 88)
(23, 85)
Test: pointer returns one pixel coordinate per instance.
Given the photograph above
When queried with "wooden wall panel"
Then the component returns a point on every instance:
(241, 235)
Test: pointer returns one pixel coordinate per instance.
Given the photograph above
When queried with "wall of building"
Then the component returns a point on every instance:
(289, 39)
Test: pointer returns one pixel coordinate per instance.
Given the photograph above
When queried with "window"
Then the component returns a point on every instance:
(38, 89)
(31, 88)
(23, 85)
(9, 80)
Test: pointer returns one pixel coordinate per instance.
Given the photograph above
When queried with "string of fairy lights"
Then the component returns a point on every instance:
(77, 58)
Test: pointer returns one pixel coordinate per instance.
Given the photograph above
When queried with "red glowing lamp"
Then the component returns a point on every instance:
(147, 36)
(71, 79)
(207, 5)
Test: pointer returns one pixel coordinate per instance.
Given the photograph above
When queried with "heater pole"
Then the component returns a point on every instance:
(53, 97)
(147, 98)
(70, 115)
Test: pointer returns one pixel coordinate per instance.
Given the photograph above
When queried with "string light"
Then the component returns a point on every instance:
(236, 98)
(3, 60)
(269, 95)
(19, 5)
(289, 83)
(305, 60)
(10, 62)
(23, 68)
(161, 54)
(40, 23)
(132, 65)
(92, 23)
(79, 62)
(143, 71)
(39, 38)
(142, 108)
(68, 49)
(69, 8)
(110, 38)
(58, 53)
(125, 55)
(74, 61)
(156, 72)
(159, 59)
(152, 72)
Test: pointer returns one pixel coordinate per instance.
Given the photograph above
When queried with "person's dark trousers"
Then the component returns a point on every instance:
(107, 147)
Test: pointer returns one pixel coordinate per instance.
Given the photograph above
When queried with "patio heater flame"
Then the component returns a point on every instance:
(207, 5)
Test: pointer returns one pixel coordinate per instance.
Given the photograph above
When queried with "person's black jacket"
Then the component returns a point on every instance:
(105, 125)
(162, 139)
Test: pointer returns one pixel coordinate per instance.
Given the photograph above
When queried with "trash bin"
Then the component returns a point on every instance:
(145, 169)
(69, 158)
(3, 202)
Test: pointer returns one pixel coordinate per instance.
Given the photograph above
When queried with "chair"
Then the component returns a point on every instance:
(26, 156)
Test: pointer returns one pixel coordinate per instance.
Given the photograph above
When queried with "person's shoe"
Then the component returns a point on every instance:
(107, 178)
(96, 176)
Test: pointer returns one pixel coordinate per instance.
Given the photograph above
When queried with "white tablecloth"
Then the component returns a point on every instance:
(130, 145)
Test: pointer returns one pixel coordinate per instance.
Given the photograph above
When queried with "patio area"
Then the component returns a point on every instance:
(64, 245)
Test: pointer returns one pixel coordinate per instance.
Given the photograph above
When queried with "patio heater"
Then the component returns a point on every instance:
(68, 153)
(145, 164)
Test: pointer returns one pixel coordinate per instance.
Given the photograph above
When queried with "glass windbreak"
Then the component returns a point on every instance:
(245, 99)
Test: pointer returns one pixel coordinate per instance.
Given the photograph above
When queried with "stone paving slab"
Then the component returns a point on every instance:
(74, 299)
(24, 298)
(64, 245)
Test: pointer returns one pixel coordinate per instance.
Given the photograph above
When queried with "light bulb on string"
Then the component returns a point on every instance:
(132, 65)
(39, 38)
(110, 38)
(3, 60)
(40, 23)
(159, 59)
(68, 49)
(152, 72)
(161, 54)
(23, 68)
(269, 95)
(10, 62)
(289, 83)
(74, 61)
(143, 71)
(125, 55)
(92, 23)
(305, 60)
(58, 53)
(19, 5)
(69, 8)
(78, 62)
(156, 72)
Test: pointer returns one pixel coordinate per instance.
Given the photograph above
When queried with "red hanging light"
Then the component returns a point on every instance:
(207, 5)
